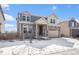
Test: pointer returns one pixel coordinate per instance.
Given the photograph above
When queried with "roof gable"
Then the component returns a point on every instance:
(41, 21)
(53, 16)
(34, 18)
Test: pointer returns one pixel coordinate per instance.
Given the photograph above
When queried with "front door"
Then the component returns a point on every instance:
(40, 30)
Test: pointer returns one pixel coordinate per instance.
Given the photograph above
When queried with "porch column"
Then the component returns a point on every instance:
(20, 28)
(36, 31)
(47, 31)
(21, 31)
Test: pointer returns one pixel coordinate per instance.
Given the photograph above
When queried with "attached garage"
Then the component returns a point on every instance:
(54, 33)
(75, 32)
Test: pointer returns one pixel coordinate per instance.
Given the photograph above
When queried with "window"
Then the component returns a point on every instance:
(52, 21)
(20, 16)
(72, 24)
(25, 30)
(28, 18)
(24, 18)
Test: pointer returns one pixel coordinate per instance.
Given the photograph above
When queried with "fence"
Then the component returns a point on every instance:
(7, 36)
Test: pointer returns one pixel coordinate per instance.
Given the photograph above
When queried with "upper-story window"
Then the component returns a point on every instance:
(72, 24)
(19, 15)
(52, 21)
(28, 18)
(24, 18)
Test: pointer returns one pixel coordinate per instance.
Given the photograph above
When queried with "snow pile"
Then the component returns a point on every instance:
(37, 47)
(23, 50)
(53, 49)
(70, 39)
(6, 51)
(75, 41)
(26, 51)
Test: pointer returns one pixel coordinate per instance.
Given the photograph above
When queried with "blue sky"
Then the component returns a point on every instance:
(63, 11)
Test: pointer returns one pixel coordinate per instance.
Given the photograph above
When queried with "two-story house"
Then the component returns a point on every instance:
(69, 28)
(38, 26)
(2, 19)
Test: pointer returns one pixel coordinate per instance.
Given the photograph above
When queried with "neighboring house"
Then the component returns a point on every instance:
(39, 26)
(2, 19)
(69, 28)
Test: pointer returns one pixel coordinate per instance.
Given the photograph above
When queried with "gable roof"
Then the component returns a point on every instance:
(34, 18)
(42, 20)
(53, 15)
(69, 19)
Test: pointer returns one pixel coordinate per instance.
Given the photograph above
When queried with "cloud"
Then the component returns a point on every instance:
(54, 7)
(10, 27)
(8, 17)
(13, 29)
(6, 6)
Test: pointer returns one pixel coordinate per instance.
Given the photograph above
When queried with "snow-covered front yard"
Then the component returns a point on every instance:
(37, 47)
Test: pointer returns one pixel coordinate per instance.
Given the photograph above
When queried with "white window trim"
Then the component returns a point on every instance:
(26, 27)
(52, 21)
(21, 18)
(72, 24)
(30, 18)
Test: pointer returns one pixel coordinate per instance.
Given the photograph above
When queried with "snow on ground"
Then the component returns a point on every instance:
(37, 47)
(68, 52)
(75, 41)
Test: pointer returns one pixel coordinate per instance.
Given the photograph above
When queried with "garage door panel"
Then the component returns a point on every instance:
(53, 33)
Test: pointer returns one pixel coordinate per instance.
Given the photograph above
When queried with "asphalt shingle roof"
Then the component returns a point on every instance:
(34, 18)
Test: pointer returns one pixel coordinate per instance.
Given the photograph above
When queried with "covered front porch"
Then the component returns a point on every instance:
(40, 28)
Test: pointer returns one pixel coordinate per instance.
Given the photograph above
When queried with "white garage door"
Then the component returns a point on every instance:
(53, 33)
